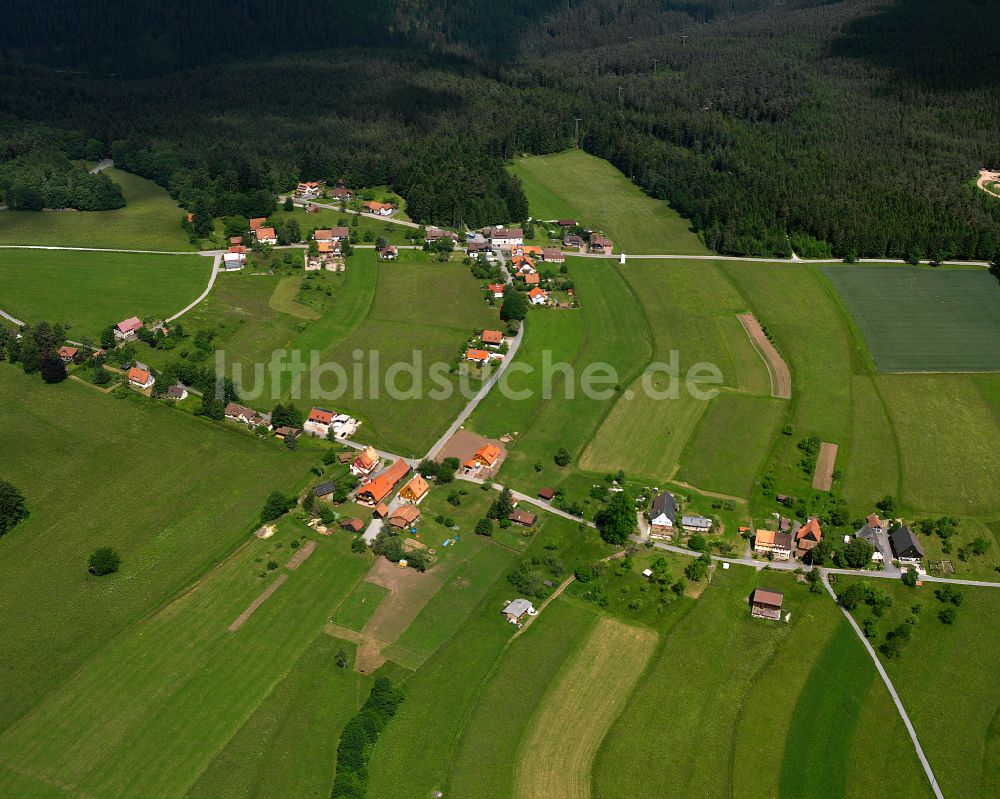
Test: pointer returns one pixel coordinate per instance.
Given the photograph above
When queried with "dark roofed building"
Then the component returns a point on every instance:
(522, 517)
(905, 545)
(662, 515)
(547, 494)
(323, 490)
(766, 604)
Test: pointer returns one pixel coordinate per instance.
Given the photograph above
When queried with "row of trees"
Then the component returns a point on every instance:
(357, 740)
(37, 350)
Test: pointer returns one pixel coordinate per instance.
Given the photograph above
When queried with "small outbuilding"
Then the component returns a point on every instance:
(517, 610)
(522, 517)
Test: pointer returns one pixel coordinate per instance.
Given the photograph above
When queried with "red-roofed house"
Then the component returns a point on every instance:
(532, 279)
(366, 463)
(381, 209)
(807, 537)
(477, 356)
(67, 354)
(140, 378)
(266, 235)
(332, 234)
(599, 243)
(496, 289)
(257, 222)
(309, 189)
(538, 296)
(492, 338)
(340, 193)
(378, 489)
(126, 329)
(319, 422)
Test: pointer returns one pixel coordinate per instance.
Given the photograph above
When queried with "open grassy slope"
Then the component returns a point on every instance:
(150, 220)
(170, 493)
(90, 290)
(575, 185)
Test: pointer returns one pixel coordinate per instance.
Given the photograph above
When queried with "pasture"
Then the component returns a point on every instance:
(945, 679)
(573, 184)
(579, 707)
(709, 741)
(150, 220)
(191, 497)
(921, 319)
(88, 291)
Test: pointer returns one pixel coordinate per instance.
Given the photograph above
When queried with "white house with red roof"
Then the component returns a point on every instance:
(496, 289)
(319, 422)
(538, 296)
(140, 378)
(266, 235)
(506, 237)
(127, 328)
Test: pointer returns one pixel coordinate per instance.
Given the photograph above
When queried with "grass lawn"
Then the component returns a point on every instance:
(288, 747)
(708, 740)
(919, 319)
(573, 184)
(90, 290)
(944, 678)
(121, 725)
(731, 443)
(487, 756)
(150, 220)
(191, 494)
(358, 608)
(579, 707)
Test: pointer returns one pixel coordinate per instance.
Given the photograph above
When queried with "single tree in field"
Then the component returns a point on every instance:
(562, 457)
(616, 521)
(104, 561)
(484, 527)
(288, 205)
(12, 508)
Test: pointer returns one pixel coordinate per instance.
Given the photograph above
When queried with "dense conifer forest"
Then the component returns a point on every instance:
(853, 128)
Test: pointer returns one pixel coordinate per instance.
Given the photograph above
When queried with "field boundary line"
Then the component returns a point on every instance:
(102, 249)
(892, 691)
(777, 368)
(266, 594)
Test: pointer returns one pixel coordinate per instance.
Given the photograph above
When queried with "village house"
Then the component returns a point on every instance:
(126, 329)
(566, 223)
(874, 534)
(478, 357)
(235, 259)
(67, 354)
(538, 296)
(600, 244)
(257, 223)
(379, 209)
(373, 492)
(434, 234)
(235, 240)
(506, 237)
(248, 416)
(324, 490)
(478, 247)
(906, 546)
(553, 255)
(491, 338)
(266, 235)
(522, 518)
(696, 524)
(496, 289)
(309, 190)
(328, 256)
(547, 494)
(365, 463)
(517, 610)
(574, 242)
(140, 378)
(341, 193)
(807, 537)
(765, 604)
(778, 545)
(332, 234)
(388, 253)
(319, 422)
(662, 515)
(532, 279)
(415, 490)
(285, 431)
(404, 517)
(487, 456)
(177, 392)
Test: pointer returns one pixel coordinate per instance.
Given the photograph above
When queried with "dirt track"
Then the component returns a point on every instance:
(985, 177)
(246, 614)
(304, 552)
(823, 477)
(781, 379)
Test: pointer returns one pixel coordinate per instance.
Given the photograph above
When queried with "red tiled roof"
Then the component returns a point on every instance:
(137, 375)
(492, 337)
(379, 488)
(257, 222)
(320, 415)
(130, 324)
(477, 355)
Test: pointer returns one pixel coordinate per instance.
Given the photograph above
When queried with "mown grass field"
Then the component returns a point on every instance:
(288, 746)
(722, 679)
(575, 185)
(190, 493)
(579, 707)
(150, 220)
(945, 679)
(88, 291)
(920, 319)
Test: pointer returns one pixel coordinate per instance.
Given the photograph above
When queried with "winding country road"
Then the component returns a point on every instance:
(205, 293)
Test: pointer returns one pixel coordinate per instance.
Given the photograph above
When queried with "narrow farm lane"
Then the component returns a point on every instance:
(331, 207)
(205, 293)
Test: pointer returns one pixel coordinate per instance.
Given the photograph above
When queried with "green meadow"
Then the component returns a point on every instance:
(150, 220)
(88, 291)
(575, 185)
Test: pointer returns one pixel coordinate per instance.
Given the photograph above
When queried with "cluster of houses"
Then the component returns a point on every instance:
(247, 416)
(329, 247)
(490, 342)
(662, 518)
(262, 232)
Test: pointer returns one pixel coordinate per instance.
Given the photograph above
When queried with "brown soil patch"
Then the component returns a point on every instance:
(781, 379)
(260, 600)
(463, 445)
(987, 180)
(300, 555)
(409, 591)
(823, 478)
(412, 543)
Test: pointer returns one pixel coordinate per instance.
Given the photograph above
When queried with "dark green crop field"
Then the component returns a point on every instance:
(921, 319)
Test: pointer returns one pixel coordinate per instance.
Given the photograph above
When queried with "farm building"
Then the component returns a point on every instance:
(546, 493)
(905, 545)
(177, 392)
(566, 223)
(522, 517)
(404, 517)
(140, 378)
(807, 537)
(127, 328)
(506, 237)
(332, 234)
(435, 234)
(779, 545)
(354, 525)
(323, 490)
(257, 223)
(662, 515)
(365, 463)
(415, 490)
(378, 489)
(696, 524)
(517, 610)
(765, 604)
(553, 255)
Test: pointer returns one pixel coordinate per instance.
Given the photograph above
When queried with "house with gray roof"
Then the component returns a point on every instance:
(518, 609)
(662, 516)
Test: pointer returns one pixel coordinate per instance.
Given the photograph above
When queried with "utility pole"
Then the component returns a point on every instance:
(684, 40)
(577, 135)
